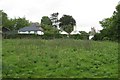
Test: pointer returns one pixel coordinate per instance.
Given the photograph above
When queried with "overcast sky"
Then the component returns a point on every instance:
(87, 13)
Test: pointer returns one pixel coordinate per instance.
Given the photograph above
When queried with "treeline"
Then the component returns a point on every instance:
(111, 27)
(51, 26)
(13, 24)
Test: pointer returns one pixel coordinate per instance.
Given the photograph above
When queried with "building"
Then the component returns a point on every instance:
(34, 28)
(75, 31)
(92, 33)
(63, 32)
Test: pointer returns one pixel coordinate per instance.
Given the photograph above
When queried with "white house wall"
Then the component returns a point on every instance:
(31, 32)
(40, 33)
(74, 32)
(26, 32)
(90, 37)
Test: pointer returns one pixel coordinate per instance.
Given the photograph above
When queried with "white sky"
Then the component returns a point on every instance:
(87, 13)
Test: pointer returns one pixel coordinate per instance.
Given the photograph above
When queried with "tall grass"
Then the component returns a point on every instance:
(59, 58)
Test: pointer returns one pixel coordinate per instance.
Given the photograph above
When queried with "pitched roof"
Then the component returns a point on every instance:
(32, 27)
(5, 29)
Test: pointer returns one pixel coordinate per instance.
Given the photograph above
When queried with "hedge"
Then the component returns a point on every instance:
(45, 36)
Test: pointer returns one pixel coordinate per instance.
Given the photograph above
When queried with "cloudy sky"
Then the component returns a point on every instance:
(87, 13)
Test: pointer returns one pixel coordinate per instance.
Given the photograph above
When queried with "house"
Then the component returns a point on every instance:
(32, 29)
(92, 33)
(75, 31)
(63, 32)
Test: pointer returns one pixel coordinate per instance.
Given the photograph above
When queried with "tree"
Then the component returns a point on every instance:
(84, 35)
(20, 23)
(54, 19)
(111, 26)
(46, 24)
(13, 24)
(46, 21)
(116, 23)
(5, 19)
(0, 19)
(67, 23)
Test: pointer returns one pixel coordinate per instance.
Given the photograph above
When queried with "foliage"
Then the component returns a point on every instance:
(46, 20)
(47, 36)
(98, 36)
(17, 23)
(59, 58)
(67, 28)
(49, 29)
(14, 24)
(4, 19)
(0, 21)
(67, 23)
(111, 26)
(54, 18)
(21, 22)
(84, 35)
(46, 24)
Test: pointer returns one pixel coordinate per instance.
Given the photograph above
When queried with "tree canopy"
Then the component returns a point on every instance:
(13, 24)
(67, 23)
(111, 26)
(46, 24)
(46, 20)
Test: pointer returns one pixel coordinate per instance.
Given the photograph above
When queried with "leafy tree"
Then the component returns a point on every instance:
(0, 21)
(13, 24)
(49, 29)
(54, 19)
(106, 23)
(67, 23)
(111, 26)
(46, 20)
(20, 23)
(5, 19)
(116, 23)
(17, 23)
(84, 35)
(46, 24)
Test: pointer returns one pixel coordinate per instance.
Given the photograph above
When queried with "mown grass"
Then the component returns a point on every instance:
(60, 58)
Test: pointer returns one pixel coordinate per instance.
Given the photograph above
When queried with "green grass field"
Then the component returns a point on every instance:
(60, 58)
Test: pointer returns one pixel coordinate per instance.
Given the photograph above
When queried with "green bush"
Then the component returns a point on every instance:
(80, 36)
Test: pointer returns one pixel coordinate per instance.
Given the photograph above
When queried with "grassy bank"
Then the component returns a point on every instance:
(59, 58)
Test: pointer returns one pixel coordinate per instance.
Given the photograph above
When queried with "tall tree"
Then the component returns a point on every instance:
(5, 19)
(46, 24)
(67, 23)
(17, 23)
(20, 23)
(116, 23)
(13, 24)
(111, 26)
(54, 19)
(46, 21)
(0, 21)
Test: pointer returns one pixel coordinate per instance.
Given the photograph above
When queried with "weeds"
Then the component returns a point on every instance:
(35, 58)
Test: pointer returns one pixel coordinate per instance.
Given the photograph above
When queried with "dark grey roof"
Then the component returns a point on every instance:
(5, 29)
(31, 28)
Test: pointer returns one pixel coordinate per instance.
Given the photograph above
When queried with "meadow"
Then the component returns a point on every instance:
(59, 58)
